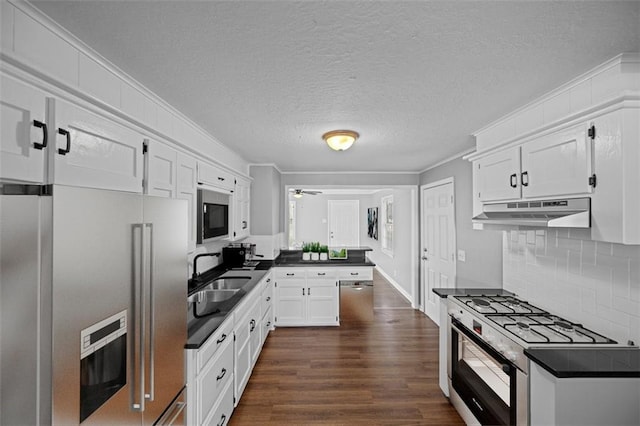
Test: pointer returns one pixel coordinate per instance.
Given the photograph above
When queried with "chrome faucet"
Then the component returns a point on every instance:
(196, 276)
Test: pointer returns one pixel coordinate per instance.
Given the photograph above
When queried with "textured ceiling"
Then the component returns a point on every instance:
(414, 78)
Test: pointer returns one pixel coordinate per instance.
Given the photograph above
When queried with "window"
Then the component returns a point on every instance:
(386, 227)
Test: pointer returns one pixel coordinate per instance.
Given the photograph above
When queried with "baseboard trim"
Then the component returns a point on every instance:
(397, 286)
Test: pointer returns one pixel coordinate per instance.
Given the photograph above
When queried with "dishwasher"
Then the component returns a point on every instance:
(356, 300)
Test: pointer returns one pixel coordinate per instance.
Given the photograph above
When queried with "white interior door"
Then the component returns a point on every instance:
(344, 223)
(437, 244)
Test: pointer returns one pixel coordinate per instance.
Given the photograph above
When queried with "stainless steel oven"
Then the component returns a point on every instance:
(492, 387)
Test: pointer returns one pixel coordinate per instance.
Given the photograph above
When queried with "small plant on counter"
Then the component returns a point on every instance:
(306, 251)
(315, 251)
(324, 252)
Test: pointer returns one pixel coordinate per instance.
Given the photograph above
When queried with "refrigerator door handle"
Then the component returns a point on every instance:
(150, 396)
(138, 318)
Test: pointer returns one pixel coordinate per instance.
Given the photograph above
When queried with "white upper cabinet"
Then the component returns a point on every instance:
(498, 176)
(214, 176)
(187, 190)
(23, 132)
(94, 151)
(161, 170)
(241, 207)
(557, 164)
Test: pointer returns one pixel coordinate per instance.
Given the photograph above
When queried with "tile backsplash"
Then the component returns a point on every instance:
(593, 283)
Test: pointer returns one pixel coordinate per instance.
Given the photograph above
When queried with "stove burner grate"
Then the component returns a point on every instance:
(480, 303)
(564, 326)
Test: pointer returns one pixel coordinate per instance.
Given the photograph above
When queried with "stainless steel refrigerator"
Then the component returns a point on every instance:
(93, 317)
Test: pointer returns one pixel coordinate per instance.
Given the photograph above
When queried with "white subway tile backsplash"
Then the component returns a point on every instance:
(563, 271)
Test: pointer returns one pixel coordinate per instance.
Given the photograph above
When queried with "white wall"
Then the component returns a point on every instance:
(589, 282)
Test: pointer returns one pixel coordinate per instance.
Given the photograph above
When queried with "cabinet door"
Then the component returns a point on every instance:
(557, 164)
(95, 152)
(498, 176)
(322, 302)
(160, 171)
(22, 110)
(214, 176)
(187, 190)
(241, 207)
(290, 302)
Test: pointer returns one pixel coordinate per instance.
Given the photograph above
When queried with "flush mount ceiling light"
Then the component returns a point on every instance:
(340, 140)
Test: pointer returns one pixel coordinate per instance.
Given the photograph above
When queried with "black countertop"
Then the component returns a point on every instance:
(445, 292)
(356, 257)
(587, 362)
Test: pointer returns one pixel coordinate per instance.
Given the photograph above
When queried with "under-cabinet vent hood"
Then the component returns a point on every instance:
(565, 213)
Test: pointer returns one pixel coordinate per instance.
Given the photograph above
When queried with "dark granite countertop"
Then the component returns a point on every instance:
(445, 292)
(356, 257)
(588, 362)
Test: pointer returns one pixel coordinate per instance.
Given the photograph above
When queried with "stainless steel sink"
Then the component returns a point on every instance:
(228, 283)
(212, 296)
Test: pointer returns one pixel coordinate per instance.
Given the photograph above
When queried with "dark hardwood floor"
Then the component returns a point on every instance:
(383, 372)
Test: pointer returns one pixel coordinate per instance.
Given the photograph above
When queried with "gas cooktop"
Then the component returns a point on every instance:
(529, 323)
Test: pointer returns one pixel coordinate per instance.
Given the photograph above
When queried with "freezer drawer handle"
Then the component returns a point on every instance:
(222, 420)
(68, 147)
(222, 374)
(42, 126)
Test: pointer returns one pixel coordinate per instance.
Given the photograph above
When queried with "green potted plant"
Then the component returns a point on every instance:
(324, 252)
(306, 251)
(315, 251)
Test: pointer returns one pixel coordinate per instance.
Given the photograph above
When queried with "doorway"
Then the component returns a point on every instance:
(438, 243)
(344, 223)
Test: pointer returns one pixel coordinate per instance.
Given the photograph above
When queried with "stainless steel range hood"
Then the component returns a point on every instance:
(560, 213)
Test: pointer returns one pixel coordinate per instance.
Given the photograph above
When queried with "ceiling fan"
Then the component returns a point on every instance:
(298, 192)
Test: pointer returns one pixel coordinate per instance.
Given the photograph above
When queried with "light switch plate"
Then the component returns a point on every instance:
(462, 255)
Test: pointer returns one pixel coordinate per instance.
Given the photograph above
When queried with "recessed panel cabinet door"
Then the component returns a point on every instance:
(322, 303)
(94, 151)
(22, 132)
(291, 303)
(161, 170)
(557, 164)
(498, 176)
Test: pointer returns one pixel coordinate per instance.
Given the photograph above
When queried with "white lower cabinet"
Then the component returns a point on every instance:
(306, 296)
(221, 413)
(247, 343)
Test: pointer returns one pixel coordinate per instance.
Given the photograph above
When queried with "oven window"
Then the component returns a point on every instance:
(480, 381)
(102, 374)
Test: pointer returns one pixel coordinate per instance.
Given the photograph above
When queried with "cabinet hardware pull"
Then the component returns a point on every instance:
(477, 404)
(309, 291)
(354, 273)
(513, 180)
(268, 280)
(221, 339)
(68, 148)
(222, 419)
(220, 178)
(222, 373)
(303, 291)
(322, 274)
(244, 224)
(268, 323)
(290, 274)
(268, 298)
(522, 178)
(253, 325)
(42, 126)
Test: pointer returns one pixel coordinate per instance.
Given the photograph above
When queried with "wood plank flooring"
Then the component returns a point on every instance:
(383, 372)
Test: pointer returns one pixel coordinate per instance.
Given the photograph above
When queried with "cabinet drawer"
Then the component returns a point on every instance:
(215, 377)
(290, 273)
(247, 304)
(364, 273)
(217, 340)
(267, 298)
(221, 414)
(321, 273)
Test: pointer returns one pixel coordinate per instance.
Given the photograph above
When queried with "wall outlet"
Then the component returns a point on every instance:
(462, 255)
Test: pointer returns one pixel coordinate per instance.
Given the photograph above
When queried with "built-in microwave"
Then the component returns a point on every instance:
(213, 216)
